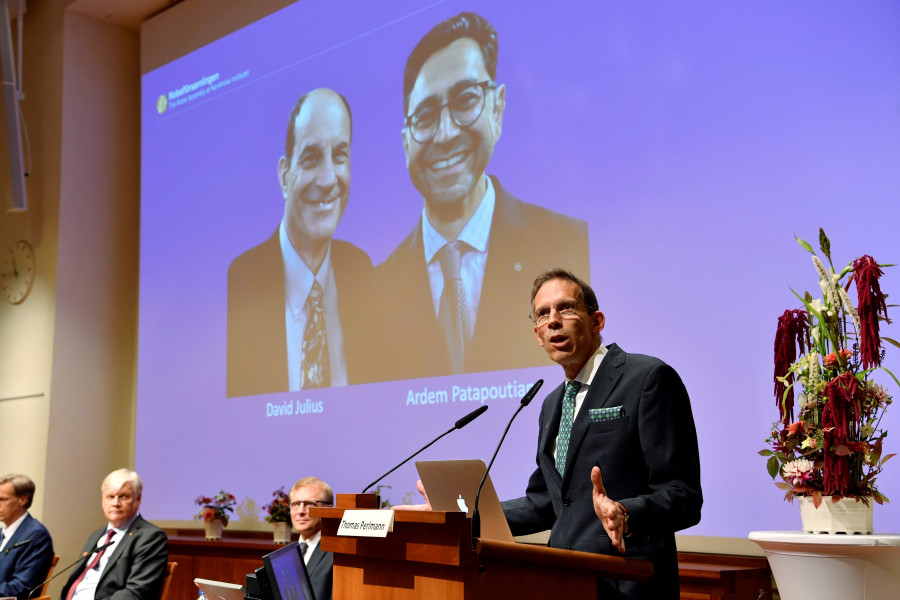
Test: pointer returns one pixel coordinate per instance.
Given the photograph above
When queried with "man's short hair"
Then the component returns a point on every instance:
(289, 139)
(464, 25)
(119, 477)
(22, 486)
(587, 294)
(307, 481)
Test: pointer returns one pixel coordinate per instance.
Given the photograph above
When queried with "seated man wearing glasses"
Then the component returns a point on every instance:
(458, 280)
(308, 492)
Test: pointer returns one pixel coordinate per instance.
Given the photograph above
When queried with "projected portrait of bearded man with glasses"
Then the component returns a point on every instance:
(457, 281)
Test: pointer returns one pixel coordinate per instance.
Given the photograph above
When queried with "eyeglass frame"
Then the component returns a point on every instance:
(575, 305)
(298, 504)
(487, 84)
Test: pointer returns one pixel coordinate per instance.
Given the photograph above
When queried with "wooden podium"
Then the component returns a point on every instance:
(430, 555)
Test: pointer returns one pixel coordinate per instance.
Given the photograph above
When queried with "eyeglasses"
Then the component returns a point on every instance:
(466, 104)
(567, 309)
(301, 504)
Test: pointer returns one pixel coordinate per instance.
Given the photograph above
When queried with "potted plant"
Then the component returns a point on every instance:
(827, 446)
(279, 515)
(214, 512)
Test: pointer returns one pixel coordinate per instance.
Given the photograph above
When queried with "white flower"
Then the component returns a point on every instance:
(817, 305)
(797, 471)
(848, 306)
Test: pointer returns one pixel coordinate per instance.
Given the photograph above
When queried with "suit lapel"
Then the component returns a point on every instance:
(20, 533)
(598, 394)
(314, 559)
(119, 548)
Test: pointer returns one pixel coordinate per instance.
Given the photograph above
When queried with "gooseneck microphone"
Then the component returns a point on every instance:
(458, 425)
(84, 557)
(476, 518)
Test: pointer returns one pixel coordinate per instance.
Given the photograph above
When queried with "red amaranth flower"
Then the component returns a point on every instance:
(841, 393)
(866, 272)
(792, 333)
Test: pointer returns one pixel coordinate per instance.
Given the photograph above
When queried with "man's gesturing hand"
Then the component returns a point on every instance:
(609, 512)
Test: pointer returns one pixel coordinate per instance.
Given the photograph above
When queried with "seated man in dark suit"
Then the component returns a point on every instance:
(26, 550)
(306, 493)
(133, 566)
(298, 302)
(458, 281)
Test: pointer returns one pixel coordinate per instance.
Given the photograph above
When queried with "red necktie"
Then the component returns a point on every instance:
(94, 562)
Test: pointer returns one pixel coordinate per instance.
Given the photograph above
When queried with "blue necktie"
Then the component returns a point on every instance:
(565, 424)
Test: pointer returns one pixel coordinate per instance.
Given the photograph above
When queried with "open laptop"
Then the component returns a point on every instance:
(451, 486)
(219, 590)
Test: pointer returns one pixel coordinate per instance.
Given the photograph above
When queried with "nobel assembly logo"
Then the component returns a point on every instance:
(206, 85)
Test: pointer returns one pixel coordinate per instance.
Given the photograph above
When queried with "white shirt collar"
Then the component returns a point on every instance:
(476, 232)
(10, 530)
(586, 374)
(298, 279)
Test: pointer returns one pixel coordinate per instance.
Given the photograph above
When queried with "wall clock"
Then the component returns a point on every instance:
(17, 272)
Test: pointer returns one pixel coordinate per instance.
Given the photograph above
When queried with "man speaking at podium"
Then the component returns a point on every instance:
(618, 468)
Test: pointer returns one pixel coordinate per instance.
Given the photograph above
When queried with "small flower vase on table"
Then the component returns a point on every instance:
(279, 515)
(214, 529)
(281, 533)
(214, 513)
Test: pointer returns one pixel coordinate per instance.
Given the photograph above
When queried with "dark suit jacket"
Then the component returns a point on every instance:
(136, 568)
(23, 568)
(320, 567)
(524, 240)
(257, 343)
(648, 459)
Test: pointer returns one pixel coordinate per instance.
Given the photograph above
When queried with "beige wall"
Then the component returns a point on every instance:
(73, 340)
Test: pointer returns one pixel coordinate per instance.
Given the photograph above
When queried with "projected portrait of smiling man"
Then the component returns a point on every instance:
(293, 321)
(457, 281)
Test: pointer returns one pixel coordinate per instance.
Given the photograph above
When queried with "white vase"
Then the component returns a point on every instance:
(214, 529)
(281, 533)
(847, 515)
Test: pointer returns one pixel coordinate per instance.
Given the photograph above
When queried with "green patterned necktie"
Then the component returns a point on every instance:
(565, 424)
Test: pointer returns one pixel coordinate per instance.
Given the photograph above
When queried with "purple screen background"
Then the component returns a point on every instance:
(695, 140)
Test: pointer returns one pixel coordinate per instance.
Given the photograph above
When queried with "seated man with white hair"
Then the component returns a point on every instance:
(133, 566)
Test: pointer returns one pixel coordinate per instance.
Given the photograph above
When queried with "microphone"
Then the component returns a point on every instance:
(17, 545)
(458, 425)
(476, 518)
(58, 573)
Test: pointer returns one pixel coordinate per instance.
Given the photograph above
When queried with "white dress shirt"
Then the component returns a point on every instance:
(88, 585)
(10, 530)
(586, 378)
(311, 543)
(298, 282)
(476, 236)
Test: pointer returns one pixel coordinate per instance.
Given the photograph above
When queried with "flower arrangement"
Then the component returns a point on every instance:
(216, 507)
(834, 447)
(279, 508)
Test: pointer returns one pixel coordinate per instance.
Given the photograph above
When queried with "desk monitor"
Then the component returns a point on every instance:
(287, 575)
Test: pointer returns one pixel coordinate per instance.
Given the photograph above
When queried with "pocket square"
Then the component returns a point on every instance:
(599, 415)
